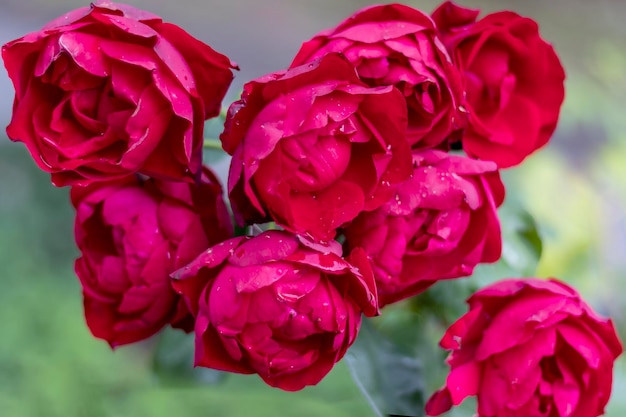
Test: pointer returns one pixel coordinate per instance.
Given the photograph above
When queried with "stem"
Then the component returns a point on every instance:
(211, 143)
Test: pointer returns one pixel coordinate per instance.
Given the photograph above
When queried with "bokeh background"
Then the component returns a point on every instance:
(575, 188)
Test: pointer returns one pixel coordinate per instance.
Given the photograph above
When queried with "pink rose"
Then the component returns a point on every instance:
(276, 305)
(313, 147)
(440, 224)
(514, 82)
(397, 45)
(108, 90)
(529, 348)
(132, 233)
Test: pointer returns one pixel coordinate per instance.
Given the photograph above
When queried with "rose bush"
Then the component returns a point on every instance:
(351, 144)
(132, 233)
(440, 224)
(529, 348)
(313, 147)
(277, 305)
(397, 45)
(109, 90)
(513, 79)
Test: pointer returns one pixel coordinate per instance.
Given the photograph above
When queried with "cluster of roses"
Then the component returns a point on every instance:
(354, 143)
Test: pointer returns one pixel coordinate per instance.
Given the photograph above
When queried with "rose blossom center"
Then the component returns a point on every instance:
(280, 327)
(320, 160)
(490, 82)
(87, 106)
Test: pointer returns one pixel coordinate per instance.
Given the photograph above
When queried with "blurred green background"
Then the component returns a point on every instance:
(575, 188)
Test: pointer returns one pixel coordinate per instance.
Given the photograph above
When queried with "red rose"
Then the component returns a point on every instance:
(132, 234)
(109, 90)
(514, 82)
(397, 45)
(313, 147)
(529, 348)
(277, 305)
(440, 224)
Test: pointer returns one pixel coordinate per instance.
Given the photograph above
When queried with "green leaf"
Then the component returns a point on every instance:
(522, 244)
(390, 380)
(173, 361)
(521, 247)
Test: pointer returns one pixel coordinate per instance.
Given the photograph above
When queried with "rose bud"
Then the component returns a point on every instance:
(313, 147)
(529, 348)
(514, 82)
(132, 233)
(109, 90)
(397, 45)
(277, 305)
(440, 224)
